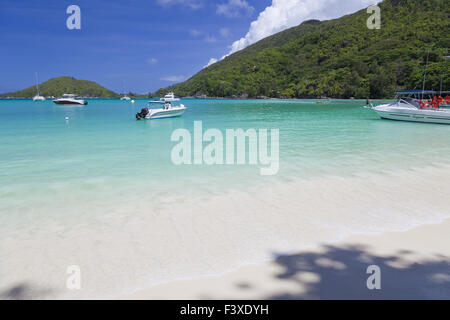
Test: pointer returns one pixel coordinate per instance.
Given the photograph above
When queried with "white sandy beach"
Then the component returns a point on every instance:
(148, 253)
(414, 264)
(225, 150)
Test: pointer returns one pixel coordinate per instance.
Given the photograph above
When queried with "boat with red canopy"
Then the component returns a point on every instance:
(417, 106)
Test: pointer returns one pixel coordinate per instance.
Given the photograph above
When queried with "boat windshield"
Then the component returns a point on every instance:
(158, 104)
(412, 101)
(423, 99)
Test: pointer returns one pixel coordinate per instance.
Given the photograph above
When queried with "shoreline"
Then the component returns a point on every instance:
(137, 228)
(414, 264)
(210, 98)
(300, 217)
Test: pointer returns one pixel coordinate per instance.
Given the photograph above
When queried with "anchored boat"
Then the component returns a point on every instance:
(165, 110)
(38, 96)
(170, 97)
(416, 106)
(70, 99)
(124, 97)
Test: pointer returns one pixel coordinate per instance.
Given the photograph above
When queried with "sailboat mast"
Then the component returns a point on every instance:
(425, 73)
(37, 84)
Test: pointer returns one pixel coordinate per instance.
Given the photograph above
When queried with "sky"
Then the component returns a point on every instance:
(142, 45)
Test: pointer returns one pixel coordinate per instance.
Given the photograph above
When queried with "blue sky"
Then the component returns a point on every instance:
(147, 44)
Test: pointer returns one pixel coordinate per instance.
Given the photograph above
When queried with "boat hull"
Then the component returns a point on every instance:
(66, 102)
(424, 116)
(167, 113)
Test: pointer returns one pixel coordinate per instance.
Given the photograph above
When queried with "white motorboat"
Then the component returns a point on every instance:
(38, 96)
(411, 106)
(165, 110)
(70, 99)
(125, 97)
(170, 97)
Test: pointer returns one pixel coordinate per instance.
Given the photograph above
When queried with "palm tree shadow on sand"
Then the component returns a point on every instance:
(341, 273)
(25, 291)
(331, 273)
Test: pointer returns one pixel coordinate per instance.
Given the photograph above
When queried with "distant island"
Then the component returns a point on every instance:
(338, 58)
(56, 87)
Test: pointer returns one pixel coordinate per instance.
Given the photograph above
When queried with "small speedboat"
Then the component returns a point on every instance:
(411, 106)
(323, 100)
(70, 99)
(165, 110)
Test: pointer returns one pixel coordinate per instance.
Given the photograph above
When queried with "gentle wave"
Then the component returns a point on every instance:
(134, 241)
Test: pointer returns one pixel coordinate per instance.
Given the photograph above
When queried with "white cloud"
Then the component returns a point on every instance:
(283, 14)
(193, 4)
(152, 61)
(234, 8)
(207, 37)
(211, 61)
(173, 78)
(210, 39)
(195, 33)
(225, 32)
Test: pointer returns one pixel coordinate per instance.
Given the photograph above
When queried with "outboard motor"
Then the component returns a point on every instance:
(141, 115)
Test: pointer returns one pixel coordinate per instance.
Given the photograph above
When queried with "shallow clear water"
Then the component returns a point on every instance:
(102, 141)
(100, 190)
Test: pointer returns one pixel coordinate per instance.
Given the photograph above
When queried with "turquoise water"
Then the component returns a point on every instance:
(102, 169)
(103, 140)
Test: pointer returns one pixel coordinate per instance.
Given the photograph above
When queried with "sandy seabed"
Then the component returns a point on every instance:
(301, 239)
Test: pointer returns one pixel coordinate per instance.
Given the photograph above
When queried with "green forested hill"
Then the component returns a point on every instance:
(58, 86)
(338, 58)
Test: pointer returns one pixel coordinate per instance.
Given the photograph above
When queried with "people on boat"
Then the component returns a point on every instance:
(447, 99)
(435, 103)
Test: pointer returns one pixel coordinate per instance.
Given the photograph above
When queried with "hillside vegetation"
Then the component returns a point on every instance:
(58, 86)
(339, 58)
